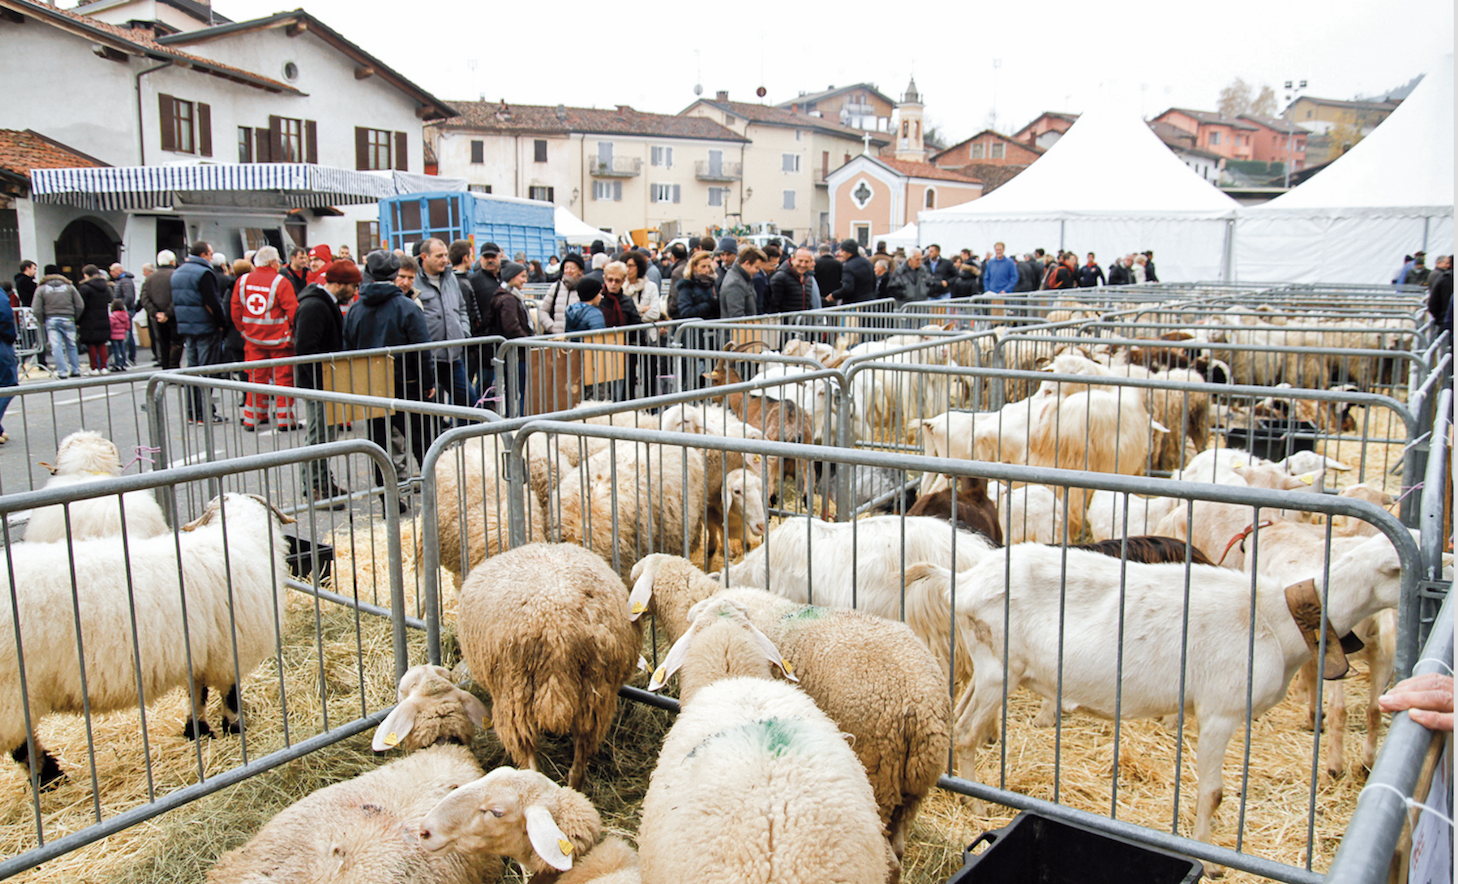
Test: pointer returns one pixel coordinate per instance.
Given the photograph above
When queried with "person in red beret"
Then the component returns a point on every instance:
(319, 261)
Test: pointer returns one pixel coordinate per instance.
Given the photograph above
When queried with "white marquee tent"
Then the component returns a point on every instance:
(576, 231)
(905, 238)
(1353, 221)
(1108, 186)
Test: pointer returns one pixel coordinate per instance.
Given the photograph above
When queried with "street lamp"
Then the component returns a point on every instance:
(1291, 95)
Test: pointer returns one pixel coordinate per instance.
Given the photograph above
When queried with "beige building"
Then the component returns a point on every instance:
(787, 162)
(618, 170)
(859, 106)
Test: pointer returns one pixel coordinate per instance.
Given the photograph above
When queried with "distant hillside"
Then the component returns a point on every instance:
(1397, 94)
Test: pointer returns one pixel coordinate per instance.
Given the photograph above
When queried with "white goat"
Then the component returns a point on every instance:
(84, 457)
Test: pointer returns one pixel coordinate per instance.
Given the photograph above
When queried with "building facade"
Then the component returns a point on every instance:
(1230, 137)
(872, 197)
(989, 147)
(1046, 129)
(1278, 141)
(859, 106)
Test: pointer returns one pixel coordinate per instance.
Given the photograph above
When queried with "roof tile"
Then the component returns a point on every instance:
(22, 151)
(777, 116)
(913, 169)
(498, 116)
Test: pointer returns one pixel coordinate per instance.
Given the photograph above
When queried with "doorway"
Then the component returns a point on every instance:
(172, 234)
(85, 242)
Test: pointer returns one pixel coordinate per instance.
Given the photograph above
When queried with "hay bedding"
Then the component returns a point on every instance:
(182, 845)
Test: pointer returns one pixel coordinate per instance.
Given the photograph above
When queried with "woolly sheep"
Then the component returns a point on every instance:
(1028, 586)
(754, 784)
(860, 565)
(552, 832)
(482, 509)
(887, 692)
(720, 642)
(83, 457)
(234, 611)
(363, 831)
(545, 629)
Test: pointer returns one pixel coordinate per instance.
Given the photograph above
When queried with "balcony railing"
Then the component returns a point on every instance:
(706, 171)
(617, 167)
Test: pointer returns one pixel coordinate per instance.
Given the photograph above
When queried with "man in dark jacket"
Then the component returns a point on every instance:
(1440, 292)
(199, 318)
(737, 297)
(939, 274)
(297, 271)
(25, 282)
(1030, 273)
(319, 330)
(857, 277)
(125, 289)
(1119, 273)
(1149, 274)
(912, 281)
(157, 301)
(1090, 274)
(827, 272)
(385, 316)
(790, 286)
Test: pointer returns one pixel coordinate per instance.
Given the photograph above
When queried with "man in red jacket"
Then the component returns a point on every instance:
(263, 311)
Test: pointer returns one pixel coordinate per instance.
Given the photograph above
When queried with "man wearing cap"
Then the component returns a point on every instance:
(728, 253)
(447, 318)
(318, 330)
(562, 295)
(857, 276)
(385, 316)
(319, 258)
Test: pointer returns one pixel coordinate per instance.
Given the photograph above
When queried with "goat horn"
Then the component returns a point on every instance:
(755, 343)
(283, 518)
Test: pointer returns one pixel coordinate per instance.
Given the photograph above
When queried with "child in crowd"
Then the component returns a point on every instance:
(121, 322)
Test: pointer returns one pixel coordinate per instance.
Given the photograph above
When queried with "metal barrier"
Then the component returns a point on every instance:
(153, 645)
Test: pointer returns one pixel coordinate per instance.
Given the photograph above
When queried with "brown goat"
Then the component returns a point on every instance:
(780, 420)
(974, 508)
(1149, 549)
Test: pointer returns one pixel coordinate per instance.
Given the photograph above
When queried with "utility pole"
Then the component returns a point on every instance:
(1291, 95)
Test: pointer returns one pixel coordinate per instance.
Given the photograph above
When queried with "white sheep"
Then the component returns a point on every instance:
(888, 695)
(545, 629)
(234, 612)
(472, 499)
(84, 457)
(756, 784)
(364, 830)
(860, 565)
(1028, 586)
(552, 832)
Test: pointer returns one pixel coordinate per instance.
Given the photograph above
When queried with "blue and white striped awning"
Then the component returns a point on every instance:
(252, 185)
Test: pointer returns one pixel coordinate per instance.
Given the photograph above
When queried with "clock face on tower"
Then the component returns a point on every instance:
(862, 194)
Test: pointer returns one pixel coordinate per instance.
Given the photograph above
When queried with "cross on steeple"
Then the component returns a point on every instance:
(866, 140)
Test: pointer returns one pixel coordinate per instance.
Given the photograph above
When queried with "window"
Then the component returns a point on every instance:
(245, 144)
(1214, 138)
(664, 193)
(479, 188)
(999, 150)
(607, 190)
(824, 163)
(539, 150)
(799, 136)
(790, 162)
(366, 237)
(862, 194)
(478, 151)
(545, 194)
(789, 199)
(292, 141)
(931, 198)
(376, 149)
(978, 151)
(662, 156)
(718, 196)
(187, 127)
(905, 129)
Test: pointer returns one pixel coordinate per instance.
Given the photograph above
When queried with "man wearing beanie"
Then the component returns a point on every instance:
(385, 316)
(728, 253)
(857, 277)
(562, 295)
(319, 329)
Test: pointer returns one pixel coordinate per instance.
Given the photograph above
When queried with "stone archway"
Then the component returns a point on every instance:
(85, 241)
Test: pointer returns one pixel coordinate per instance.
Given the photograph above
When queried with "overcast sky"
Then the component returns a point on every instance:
(1055, 55)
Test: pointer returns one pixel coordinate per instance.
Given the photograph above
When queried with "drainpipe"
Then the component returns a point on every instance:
(141, 129)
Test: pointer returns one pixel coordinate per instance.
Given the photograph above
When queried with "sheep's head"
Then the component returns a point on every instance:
(663, 574)
(722, 625)
(214, 510)
(519, 814)
(85, 452)
(431, 710)
(744, 498)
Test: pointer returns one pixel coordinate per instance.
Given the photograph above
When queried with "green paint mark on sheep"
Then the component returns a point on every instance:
(806, 612)
(776, 735)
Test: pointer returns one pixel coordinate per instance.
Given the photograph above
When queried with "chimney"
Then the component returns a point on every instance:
(561, 113)
(721, 95)
(623, 109)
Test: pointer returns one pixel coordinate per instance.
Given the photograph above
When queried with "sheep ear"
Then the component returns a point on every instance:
(674, 660)
(475, 709)
(772, 653)
(548, 840)
(1305, 605)
(642, 592)
(395, 726)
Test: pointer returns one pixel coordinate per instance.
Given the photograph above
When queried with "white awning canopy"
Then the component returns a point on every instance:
(280, 186)
(576, 231)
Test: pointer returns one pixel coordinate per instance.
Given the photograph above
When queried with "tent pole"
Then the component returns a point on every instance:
(1062, 223)
(1426, 222)
(1228, 258)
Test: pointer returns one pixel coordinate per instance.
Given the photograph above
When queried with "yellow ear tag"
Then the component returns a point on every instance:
(787, 666)
(564, 846)
(1308, 478)
(659, 675)
(392, 739)
(639, 607)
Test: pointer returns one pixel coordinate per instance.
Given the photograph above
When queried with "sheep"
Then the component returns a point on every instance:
(859, 565)
(235, 587)
(814, 399)
(84, 457)
(1029, 512)
(1106, 513)
(738, 513)
(756, 784)
(973, 507)
(553, 833)
(364, 830)
(888, 695)
(482, 510)
(544, 628)
(1028, 586)
(707, 653)
(1348, 526)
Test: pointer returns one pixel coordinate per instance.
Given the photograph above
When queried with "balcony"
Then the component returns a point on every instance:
(617, 167)
(706, 171)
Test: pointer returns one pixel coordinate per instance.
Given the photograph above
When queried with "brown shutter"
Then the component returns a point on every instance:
(311, 141)
(167, 116)
(275, 139)
(401, 157)
(204, 129)
(361, 148)
(261, 152)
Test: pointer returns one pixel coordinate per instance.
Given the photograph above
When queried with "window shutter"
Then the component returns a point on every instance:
(653, 194)
(167, 115)
(311, 141)
(617, 191)
(361, 148)
(402, 163)
(668, 152)
(204, 129)
(275, 138)
(675, 193)
(261, 150)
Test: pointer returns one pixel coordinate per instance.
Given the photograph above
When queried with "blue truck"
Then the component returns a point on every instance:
(516, 225)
